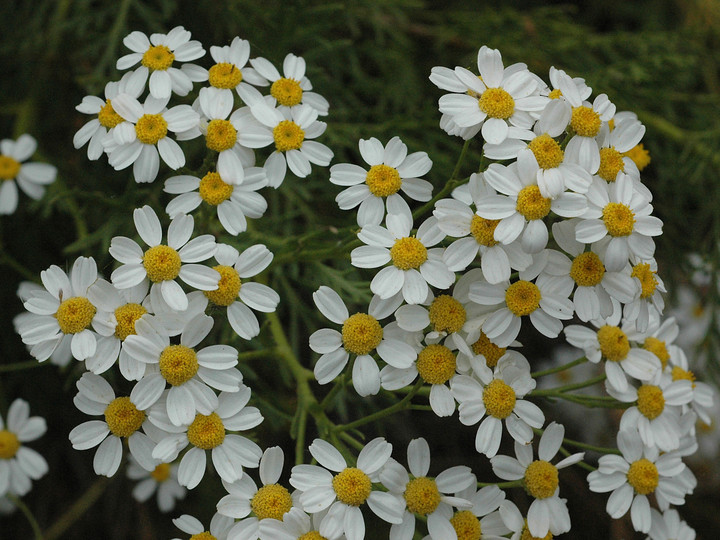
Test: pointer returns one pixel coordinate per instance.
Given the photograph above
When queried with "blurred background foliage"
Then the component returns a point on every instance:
(371, 59)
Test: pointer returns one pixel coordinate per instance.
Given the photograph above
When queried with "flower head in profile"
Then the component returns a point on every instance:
(30, 177)
(218, 530)
(18, 463)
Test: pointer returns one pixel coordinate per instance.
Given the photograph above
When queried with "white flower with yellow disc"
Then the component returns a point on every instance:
(18, 463)
(648, 304)
(231, 70)
(162, 481)
(30, 177)
(219, 527)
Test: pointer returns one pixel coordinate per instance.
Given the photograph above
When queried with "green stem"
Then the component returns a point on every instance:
(19, 366)
(558, 369)
(78, 509)
(592, 448)
(568, 387)
(37, 531)
(501, 485)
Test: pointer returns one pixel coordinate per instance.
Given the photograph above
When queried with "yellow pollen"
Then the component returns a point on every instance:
(585, 121)
(466, 525)
(178, 364)
(288, 136)
(587, 269)
(158, 58)
(522, 298)
(705, 428)
(383, 180)
(203, 536)
(161, 263)
(161, 473)
(611, 124)
(639, 155)
(499, 399)
(107, 116)
(352, 486)
(228, 287)
(614, 344)
(619, 219)
(611, 163)
(9, 168)
(74, 315)
(658, 348)
(361, 333)
(408, 253)
(150, 128)
(643, 476)
(312, 535)
(422, 496)
(555, 94)
(531, 204)
(483, 230)
(221, 135)
(447, 314)
(122, 417)
(541, 479)
(287, 92)
(647, 278)
(126, 317)
(214, 190)
(224, 75)
(271, 501)
(436, 364)
(651, 401)
(9, 444)
(488, 349)
(497, 103)
(206, 432)
(547, 151)
(679, 374)
(527, 536)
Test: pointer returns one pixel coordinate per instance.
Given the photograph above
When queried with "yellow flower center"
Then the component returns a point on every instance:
(178, 364)
(150, 128)
(531, 204)
(497, 103)
(619, 219)
(679, 374)
(161, 473)
(288, 136)
(158, 58)
(611, 124)
(422, 496)
(9, 444)
(361, 333)
(651, 401)
(312, 535)
(446, 314)
(224, 75)
(522, 298)
(611, 163)
(75, 315)
(352, 486)
(107, 116)
(658, 348)
(126, 317)
(499, 399)
(587, 269)
(466, 525)
(527, 536)
(228, 287)
(122, 417)
(271, 501)
(9, 168)
(639, 155)
(647, 278)
(408, 252)
(483, 230)
(585, 121)
(643, 476)
(206, 432)
(436, 364)
(213, 190)
(547, 151)
(383, 180)
(221, 135)
(488, 349)
(541, 479)
(614, 344)
(287, 92)
(555, 94)
(161, 263)
(203, 536)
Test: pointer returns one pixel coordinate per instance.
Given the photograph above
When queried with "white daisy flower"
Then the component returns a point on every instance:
(231, 70)
(615, 141)
(230, 452)
(18, 463)
(558, 112)
(162, 481)
(548, 512)
(391, 170)
(482, 520)
(649, 303)
(163, 263)
(669, 526)
(639, 472)
(31, 177)
(219, 527)
(343, 490)
(494, 397)
(142, 139)
(298, 525)
(702, 393)
(123, 420)
(413, 267)
(157, 55)
(361, 334)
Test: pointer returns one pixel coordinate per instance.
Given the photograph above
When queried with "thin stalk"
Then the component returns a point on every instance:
(17, 501)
